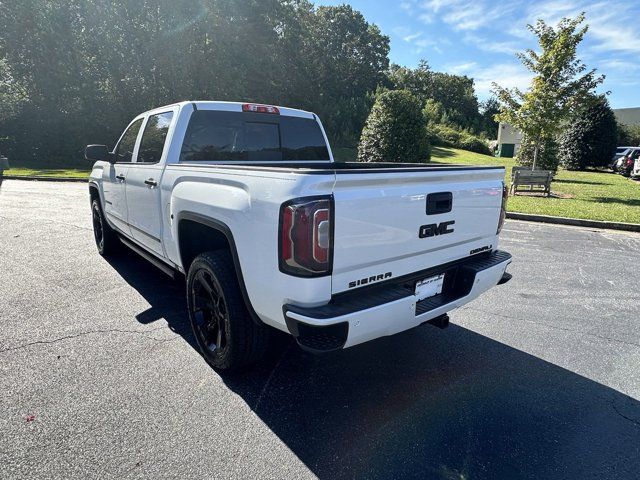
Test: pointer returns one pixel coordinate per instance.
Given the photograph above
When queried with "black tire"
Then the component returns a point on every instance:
(226, 334)
(106, 239)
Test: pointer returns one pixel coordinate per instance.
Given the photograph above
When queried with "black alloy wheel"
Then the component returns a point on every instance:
(210, 312)
(98, 226)
(228, 337)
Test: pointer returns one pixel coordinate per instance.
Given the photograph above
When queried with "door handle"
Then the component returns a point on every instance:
(120, 177)
(151, 182)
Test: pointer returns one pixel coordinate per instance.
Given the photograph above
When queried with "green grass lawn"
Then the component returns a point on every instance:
(596, 195)
(53, 172)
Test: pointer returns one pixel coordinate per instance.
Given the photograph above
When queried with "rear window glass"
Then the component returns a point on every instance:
(260, 137)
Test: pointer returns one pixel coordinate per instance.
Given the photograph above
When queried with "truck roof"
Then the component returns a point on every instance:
(236, 107)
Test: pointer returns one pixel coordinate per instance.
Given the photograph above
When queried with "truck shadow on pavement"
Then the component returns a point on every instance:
(423, 404)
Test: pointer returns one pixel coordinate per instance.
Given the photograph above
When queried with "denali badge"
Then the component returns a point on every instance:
(481, 249)
(371, 279)
(434, 229)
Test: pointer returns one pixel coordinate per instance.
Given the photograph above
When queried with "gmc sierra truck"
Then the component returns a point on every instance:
(247, 202)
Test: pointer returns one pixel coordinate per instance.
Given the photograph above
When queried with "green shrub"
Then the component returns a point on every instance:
(590, 139)
(395, 130)
(446, 136)
(443, 135)
(474, 144)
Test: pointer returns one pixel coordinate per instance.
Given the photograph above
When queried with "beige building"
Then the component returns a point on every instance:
(509, 140)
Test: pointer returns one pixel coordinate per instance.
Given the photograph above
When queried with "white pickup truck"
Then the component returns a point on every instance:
(247, 202)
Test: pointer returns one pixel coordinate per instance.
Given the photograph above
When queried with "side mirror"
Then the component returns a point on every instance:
(98, 153)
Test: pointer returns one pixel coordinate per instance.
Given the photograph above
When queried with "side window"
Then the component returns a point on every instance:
(153, 137)
(124, 150)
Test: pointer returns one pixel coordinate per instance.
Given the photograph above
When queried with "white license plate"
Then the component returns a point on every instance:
(429, 287)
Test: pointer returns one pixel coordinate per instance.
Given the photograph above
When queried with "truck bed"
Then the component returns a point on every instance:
(342, 167)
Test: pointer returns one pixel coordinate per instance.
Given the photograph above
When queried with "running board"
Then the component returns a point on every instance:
(150, 258)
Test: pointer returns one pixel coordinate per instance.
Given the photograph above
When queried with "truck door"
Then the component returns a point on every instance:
(114, 178)
(143, 182)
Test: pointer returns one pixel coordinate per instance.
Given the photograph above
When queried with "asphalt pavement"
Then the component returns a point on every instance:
(99, 377)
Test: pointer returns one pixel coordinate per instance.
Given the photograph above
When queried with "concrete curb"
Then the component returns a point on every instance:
(577, 222)
(45, 179)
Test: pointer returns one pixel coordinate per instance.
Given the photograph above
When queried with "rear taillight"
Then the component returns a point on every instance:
(503, 207)
(306, 236)
(254, 107)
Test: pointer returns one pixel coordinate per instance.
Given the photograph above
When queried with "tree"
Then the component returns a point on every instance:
(628, 135)
(85, 75)
(489, 109)
(454, 93)
(419, 81)
(395, 130)
(433, 111)
(590, 139)
(559, 86)
(12, 94)
(348, 58)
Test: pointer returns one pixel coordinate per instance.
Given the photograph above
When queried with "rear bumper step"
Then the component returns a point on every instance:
(388, 308)
(505, 278)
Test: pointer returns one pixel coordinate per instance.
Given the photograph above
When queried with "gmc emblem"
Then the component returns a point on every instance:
(434, 229)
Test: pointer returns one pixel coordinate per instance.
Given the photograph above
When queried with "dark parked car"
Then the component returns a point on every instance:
(621, 152)
(626, 165)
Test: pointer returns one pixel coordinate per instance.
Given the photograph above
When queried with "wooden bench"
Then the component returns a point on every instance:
(525, 177)
(521, 169)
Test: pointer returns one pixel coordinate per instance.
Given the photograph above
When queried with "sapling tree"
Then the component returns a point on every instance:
(561, 83)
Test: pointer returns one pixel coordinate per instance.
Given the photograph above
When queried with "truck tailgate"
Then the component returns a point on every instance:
(383, 228)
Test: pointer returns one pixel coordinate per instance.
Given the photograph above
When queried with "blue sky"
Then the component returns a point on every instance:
(478, 38)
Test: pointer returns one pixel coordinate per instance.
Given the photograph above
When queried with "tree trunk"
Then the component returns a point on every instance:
(535, 156)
